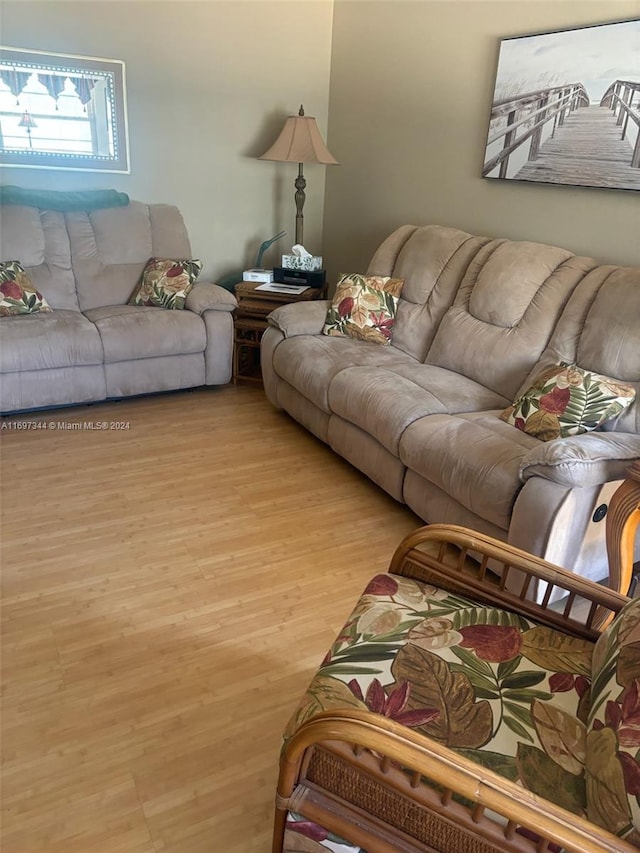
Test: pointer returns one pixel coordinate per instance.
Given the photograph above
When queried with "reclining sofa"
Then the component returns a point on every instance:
(93, 345)
(477, 321)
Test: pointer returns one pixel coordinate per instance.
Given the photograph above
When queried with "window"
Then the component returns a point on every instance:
(60, 111)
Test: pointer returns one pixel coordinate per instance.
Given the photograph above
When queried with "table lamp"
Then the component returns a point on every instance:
(300, 142)
(27, 121)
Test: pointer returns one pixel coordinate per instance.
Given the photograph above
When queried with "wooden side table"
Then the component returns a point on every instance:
(251, 321)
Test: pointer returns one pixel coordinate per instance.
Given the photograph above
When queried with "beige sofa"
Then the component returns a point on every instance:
(477, 320)
(93, 345)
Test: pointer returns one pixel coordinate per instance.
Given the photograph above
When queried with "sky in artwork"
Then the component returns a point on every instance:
(593, 56)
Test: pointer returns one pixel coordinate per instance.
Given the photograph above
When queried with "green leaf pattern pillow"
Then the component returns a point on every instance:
(567, 400)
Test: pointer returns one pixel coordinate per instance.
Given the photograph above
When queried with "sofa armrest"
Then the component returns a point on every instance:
(205, 296)
(582, 460)
(300, 318)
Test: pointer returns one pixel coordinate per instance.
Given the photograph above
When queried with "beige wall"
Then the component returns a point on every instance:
(411, 89)
(209, 85)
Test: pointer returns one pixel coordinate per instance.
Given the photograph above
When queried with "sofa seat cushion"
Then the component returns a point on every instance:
(48, 340)
(309, 362)
(131, 331)
(383, 401)
(489, 684)
(470, 456)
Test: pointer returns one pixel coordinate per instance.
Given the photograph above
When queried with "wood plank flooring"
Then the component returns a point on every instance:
(168, 589)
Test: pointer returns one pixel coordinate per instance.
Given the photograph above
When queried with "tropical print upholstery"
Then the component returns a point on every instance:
(613, 735)
(502, 691)
(166, 283)
(364, 307)
(567, 400)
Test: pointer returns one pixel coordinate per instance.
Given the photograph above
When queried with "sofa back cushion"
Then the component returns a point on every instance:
(38, 239)
(110, 248)
(432, 261)
(599, 330)
(505, 311)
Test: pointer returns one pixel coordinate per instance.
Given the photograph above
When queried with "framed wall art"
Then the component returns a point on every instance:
(566, 108)
(62, 111)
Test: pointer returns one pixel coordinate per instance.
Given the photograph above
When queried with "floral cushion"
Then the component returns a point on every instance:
(364, 307)
(17, 292)
(502, 691)
(165, 283)
(613, 734)
(567, 400)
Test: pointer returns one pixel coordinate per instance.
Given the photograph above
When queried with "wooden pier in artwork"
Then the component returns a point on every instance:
(588, 145)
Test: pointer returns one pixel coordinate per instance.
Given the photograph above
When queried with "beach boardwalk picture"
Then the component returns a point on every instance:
(566, 108)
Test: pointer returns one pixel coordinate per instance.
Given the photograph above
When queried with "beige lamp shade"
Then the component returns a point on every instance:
(300, 142)
(27, 120)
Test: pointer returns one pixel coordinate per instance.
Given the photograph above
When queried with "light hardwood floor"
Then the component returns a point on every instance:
(168, 591)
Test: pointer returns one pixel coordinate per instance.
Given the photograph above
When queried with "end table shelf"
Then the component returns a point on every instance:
(251, 321)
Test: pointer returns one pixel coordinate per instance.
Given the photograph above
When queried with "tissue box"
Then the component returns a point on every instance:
(293, 262)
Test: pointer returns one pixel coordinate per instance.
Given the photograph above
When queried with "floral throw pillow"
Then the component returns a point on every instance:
(567, 400)
(613, 730)
(364, 307)
(17, 292)
(165, 283)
